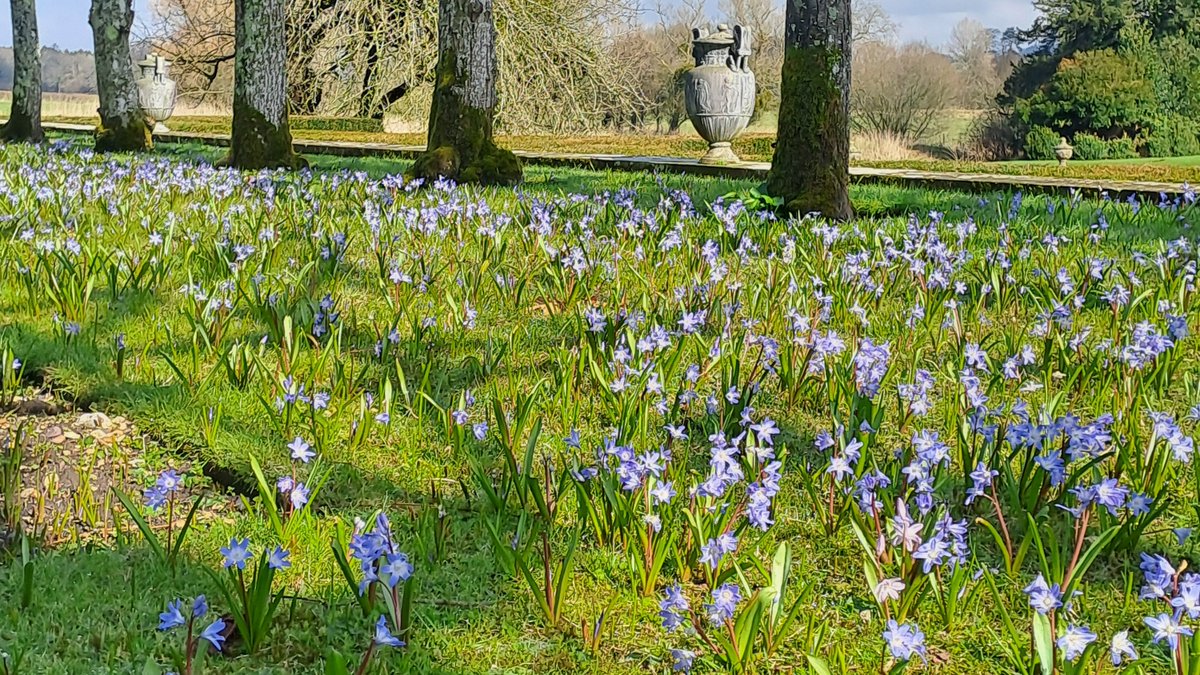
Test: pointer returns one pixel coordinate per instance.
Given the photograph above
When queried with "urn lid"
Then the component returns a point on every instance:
(154, 65)
(724, 36)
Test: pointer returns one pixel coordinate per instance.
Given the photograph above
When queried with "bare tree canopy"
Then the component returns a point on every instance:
(871, 22)
(364, 57)
(901, 90)
(982, 67)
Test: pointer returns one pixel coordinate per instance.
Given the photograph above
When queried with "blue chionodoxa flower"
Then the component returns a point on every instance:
(904, 641)
(673, 608)
(715, 549)
(278, 559)
(396, 569)
(682, 660)
(168, 483)
(237, 553)
(384, 637)
(1167, 628)
(725, 599)
(215, 634)
(1043, 597)
(301, 450)
(1074, 642)
(173, 618)
(1122, 649)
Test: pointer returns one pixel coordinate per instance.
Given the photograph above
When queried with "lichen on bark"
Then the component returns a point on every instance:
(25, 116)
(123, 126)
(261, 137)
(811, 167)
(461, 142)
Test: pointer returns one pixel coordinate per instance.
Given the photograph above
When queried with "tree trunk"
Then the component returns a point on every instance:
(122, 124)
(261, 137)
(25, 119)
(463, 113)
(811, 168)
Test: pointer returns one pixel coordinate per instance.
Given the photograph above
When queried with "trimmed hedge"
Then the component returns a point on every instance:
(1040, 143)
(1123, 148)
(1090, 147)
(1172, 136)
(362, 124)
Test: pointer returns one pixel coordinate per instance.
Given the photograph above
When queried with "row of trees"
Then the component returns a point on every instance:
(810, 170)
(1117, 76)
(260, 129)
(68, 72)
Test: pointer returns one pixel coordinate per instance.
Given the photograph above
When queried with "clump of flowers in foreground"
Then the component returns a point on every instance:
(982, 411)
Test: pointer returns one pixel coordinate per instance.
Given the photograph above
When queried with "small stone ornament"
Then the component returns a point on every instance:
(1064, 151)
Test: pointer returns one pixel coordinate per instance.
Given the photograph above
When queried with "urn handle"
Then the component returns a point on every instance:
(698, 35)
(743, 45)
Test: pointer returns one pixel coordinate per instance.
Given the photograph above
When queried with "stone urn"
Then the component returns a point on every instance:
(719, 91)
(156, 91)
(1063, 151)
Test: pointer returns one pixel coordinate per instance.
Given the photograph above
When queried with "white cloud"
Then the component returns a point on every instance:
(933, 20)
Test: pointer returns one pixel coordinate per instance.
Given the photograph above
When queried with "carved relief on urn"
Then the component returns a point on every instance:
(156, 91)
(720, 90)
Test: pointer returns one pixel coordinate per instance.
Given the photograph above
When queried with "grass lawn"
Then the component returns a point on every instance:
(756, 145)
(1190, 161)
(616, 381)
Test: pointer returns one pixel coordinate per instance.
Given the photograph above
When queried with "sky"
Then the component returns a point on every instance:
(64, 22)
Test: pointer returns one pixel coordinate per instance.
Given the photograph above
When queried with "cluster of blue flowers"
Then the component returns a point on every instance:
(174, 618)
(1178, 590)
(168, 484)
(377, 555)
(238, 553)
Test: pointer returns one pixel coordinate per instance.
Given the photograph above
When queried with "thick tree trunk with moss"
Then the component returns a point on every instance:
(461, 120)
(25, 119)
(261, 136)
(811, 168)
(122, 123)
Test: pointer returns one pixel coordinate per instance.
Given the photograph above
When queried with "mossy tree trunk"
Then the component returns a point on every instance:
(25, 119)
(122, 123)
(811, 168)
(461, 119)
(261, 137)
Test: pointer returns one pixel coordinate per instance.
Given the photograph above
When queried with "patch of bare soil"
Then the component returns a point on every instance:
(59, 468)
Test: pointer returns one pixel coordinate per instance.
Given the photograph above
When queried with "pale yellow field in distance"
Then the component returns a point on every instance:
(84, 105)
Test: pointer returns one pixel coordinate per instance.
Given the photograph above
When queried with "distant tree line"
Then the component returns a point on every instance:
(63, 71)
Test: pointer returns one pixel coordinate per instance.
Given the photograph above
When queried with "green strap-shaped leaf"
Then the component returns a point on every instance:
(147, 533)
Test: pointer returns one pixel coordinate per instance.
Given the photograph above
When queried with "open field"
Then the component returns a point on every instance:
(83, 106)
(606, 416)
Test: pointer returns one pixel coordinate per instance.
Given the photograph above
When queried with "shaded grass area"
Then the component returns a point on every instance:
(750, 146)
(870, 200)
(95, 609)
